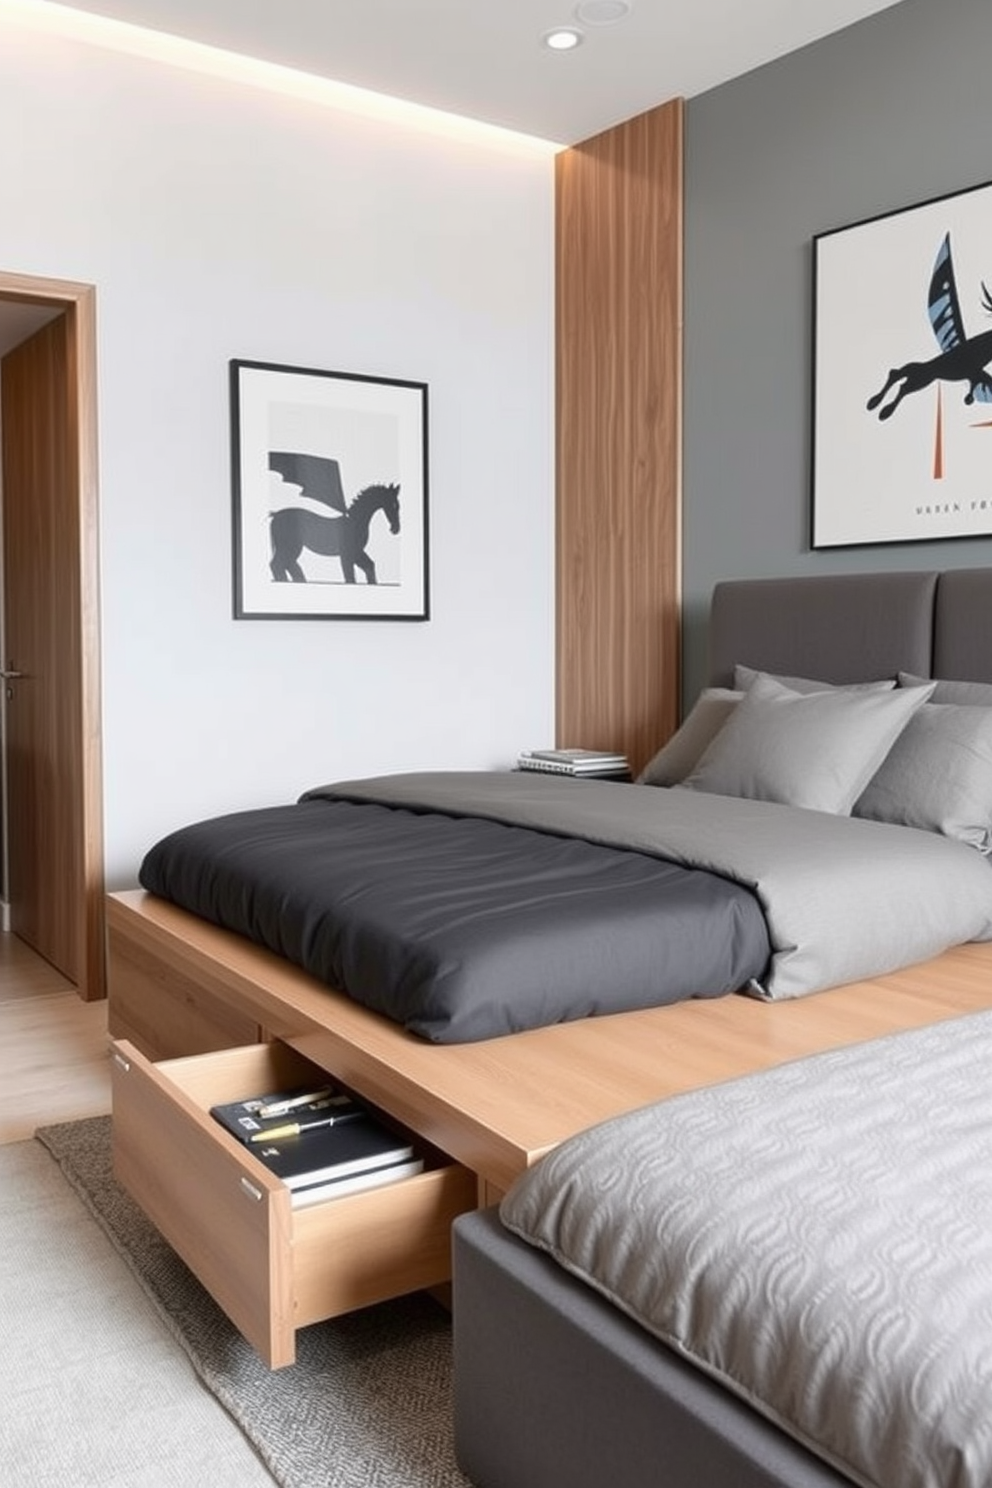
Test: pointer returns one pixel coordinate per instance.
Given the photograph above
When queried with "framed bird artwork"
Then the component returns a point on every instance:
(902, 375)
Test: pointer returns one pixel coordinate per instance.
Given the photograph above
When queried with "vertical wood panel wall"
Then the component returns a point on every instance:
(618, 448)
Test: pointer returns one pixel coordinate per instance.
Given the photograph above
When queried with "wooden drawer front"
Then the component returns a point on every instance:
(194, 1020)
(271, 1268)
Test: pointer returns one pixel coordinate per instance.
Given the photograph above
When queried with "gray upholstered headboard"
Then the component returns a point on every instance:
(855, 627)
(962, 626)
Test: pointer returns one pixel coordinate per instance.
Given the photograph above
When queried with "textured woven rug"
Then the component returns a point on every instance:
(367, 1403)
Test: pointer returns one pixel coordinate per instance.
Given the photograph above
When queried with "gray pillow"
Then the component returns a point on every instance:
(971, 694)
(938, 775)
(675, 759)
(817, 750)
(745, 677)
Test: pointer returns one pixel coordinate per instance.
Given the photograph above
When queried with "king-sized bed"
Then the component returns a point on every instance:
(846, 896)
(764, 849)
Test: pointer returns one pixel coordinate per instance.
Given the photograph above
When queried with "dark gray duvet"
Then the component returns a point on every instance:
(460, 926)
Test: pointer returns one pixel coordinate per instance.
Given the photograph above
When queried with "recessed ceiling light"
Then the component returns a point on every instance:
(563, 38)
(601, 12)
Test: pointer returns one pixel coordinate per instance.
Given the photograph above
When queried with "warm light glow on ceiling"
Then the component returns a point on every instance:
(194, 56)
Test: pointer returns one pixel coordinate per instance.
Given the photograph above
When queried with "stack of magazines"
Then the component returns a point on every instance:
(321, 1143)
(579, 762)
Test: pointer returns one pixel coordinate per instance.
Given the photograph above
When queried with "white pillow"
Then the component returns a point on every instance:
(816, 750)
(971, 694)
(676, 759)
(745, 677)
(938, 776)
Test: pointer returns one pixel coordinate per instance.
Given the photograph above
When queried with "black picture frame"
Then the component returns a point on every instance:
(329, 479)
(902, 392)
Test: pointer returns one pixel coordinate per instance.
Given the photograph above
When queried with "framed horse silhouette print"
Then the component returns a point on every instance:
(329, 484)
(902, 375)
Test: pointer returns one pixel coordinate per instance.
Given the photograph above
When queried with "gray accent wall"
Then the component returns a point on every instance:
(892, 111)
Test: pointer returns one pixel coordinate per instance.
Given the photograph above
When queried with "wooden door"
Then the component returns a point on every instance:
(54, 832)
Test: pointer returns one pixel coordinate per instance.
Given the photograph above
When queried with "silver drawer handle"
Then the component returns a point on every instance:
(250, 1189)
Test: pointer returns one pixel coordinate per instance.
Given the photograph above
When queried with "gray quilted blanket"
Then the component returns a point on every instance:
(844, 899)
(817, 1237)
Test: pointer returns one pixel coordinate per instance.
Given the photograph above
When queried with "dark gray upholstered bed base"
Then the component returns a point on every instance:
(554, 1388)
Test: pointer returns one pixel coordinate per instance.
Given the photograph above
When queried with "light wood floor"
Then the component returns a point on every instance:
(53, 1047)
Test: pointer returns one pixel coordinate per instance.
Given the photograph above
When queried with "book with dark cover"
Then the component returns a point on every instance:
(336, 1188)
(243, 1119)
(357, 1145)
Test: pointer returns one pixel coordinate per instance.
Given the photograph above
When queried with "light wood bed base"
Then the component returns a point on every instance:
(180, 986)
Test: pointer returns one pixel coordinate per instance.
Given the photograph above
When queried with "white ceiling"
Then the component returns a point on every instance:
(486, 61)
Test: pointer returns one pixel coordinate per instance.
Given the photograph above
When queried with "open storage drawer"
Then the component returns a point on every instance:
(272, 1268)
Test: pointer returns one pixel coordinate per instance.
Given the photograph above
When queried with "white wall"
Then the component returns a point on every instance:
(216, 222)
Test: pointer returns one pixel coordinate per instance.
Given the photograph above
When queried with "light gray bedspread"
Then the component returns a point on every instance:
(844, 899)
(817, 1237)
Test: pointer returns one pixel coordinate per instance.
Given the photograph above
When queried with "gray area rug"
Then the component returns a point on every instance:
(367, 1403)
(95, 1392)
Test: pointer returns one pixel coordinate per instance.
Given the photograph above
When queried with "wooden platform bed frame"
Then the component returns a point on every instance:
(179, 987)
(182, 987)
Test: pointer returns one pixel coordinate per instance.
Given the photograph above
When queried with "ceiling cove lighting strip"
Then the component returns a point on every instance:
(193, 56)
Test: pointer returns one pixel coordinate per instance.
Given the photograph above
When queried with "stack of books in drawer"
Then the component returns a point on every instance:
(321, 1143)
(584, 764)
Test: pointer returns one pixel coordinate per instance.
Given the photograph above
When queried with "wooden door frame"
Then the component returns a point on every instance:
(79, 303)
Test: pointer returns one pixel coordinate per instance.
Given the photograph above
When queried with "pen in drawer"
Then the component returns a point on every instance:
(293, 1128)
(311, 1097)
